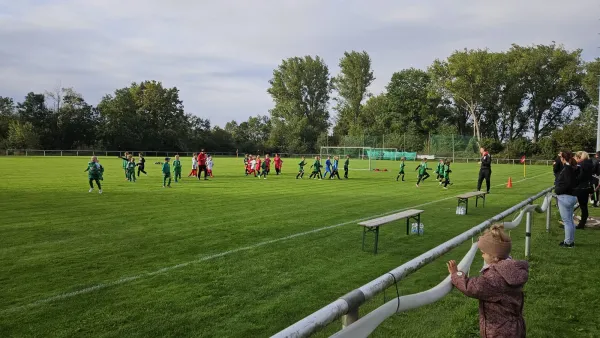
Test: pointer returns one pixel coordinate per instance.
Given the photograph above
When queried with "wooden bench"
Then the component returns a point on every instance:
(464, 199)
(374, 224)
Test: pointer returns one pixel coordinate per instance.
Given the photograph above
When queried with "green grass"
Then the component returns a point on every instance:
(195, 260)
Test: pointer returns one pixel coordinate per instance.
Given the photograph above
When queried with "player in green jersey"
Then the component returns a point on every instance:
(316, 167)
(446, 175)
(439, 170)
(346, 165)
(423, 174)
(301, 168)
(401, 172)
(166, 170)
(93, 170)
(131, 169)
(125, 163)
(177, 168)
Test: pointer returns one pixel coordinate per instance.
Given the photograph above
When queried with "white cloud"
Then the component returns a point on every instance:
(220, 54)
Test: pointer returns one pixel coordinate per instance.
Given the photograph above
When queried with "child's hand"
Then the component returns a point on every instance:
(452, 267)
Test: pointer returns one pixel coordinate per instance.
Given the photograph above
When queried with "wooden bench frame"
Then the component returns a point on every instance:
(374, 224)
(465, 200)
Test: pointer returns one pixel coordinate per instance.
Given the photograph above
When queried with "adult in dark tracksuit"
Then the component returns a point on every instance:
(141, 164)
(595, 180)
(485, 171)
(585, 166)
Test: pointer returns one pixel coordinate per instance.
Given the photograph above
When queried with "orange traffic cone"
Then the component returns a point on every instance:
(509, 184)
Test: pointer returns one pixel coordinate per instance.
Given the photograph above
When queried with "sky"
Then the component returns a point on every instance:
(221, 54)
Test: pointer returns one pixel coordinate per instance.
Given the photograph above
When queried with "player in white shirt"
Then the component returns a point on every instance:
(253, 166)
(194, 171)
(209, 166)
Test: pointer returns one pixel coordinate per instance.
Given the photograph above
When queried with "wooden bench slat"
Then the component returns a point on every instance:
(472, 194)
(390, 218)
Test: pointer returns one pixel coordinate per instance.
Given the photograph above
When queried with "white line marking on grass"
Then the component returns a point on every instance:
(218, 255)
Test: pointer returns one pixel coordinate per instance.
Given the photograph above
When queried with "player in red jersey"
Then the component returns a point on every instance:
(257, 166)
(202, 165)
(278, 163)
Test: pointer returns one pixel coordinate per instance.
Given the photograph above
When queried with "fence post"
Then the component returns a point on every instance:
(350, 317)
(106, 153)
(548, 212)
(528, 233)
(25, 152)
(44, 153)
(77, 153)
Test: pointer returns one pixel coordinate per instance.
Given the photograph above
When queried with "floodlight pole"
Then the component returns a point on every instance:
(598, 126)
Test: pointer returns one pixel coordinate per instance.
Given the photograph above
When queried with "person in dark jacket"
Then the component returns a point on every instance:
(585, 168)
(499, 287)
(485, 171)
(565, 190)
(556, 167)
(595, 180)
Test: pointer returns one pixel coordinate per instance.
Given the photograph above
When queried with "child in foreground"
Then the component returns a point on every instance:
(177, 168)
(166, 169)
(499, 287)
(94, 170)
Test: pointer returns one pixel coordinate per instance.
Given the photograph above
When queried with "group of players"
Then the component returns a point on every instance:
(253, 166)
(261, 168)
(442, 171)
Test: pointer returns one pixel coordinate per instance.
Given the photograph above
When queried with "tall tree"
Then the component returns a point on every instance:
(468, 78)
(300, 88)
(550, 85)
(7, 114)
(145, 116)
(76, 121)
(352, 86)
(33, 110)
(591, 81)
(413, 102)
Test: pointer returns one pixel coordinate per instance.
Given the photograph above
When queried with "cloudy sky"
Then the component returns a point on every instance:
(221, 53)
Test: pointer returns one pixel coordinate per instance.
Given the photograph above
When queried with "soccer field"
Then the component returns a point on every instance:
(234, 256)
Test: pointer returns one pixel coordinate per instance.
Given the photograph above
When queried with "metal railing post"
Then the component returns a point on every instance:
(350, 317)
(548, 212)
(528, 221)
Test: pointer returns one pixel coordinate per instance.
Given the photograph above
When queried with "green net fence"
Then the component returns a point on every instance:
(393, 146)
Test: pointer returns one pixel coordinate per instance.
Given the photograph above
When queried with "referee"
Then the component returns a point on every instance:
(485, 170)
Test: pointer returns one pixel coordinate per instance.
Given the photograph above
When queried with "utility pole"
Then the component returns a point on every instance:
(598, 126)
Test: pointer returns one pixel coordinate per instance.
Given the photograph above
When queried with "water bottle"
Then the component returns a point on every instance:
(458, 210)
(421, 229)
(414, 228)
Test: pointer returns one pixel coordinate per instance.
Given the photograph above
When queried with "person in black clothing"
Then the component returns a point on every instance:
(565, 191)
(141, 164)
(556, 167)
(485, 171)
(584, 185)
(595, 180)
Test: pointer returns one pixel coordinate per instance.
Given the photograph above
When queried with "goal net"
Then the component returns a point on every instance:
(360, 158)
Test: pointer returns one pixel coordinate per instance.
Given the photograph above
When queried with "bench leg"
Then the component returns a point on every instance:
(419, 224)
(476, 200)
(376, 239)
(364, 233)
(484, 201)
(467, 207)
(407, 226)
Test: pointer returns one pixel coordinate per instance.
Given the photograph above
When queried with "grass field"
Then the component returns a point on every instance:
(241, 257)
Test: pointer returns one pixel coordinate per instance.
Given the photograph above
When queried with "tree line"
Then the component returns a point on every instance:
(526, 100)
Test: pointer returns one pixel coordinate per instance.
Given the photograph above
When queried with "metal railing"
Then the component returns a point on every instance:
(347, 307)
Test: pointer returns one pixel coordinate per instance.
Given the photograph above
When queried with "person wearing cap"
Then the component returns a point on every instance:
(499, 287)
(166, 169)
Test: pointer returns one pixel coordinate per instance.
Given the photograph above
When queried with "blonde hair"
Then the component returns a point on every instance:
(497, 232)
(582, 155)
